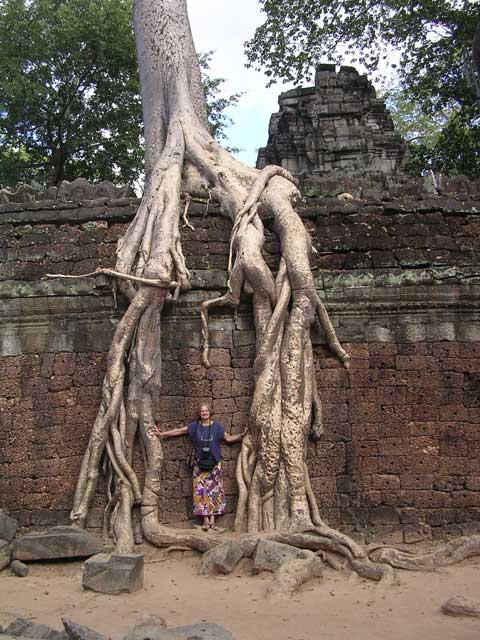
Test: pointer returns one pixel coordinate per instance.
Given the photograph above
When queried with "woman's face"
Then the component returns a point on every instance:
(204, 412)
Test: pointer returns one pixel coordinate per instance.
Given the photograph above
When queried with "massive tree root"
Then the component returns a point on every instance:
(276, 501)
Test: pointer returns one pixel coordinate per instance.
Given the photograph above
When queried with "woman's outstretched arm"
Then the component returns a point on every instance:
(168, 434)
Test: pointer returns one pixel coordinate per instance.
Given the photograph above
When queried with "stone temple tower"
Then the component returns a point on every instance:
(336, 128)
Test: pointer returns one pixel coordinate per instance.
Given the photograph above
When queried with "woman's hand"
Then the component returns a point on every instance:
(155, 431)
(237, 438)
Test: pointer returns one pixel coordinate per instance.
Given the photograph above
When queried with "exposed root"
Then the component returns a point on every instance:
(291, 575)
(330, 334)
(121, 276)
(294, 567)
(276, 500)
(251, 203)
(442, 555)
(167, 552)
(186, 223)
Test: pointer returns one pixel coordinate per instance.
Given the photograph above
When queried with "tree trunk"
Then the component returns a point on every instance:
(181, 156)
(276, 501)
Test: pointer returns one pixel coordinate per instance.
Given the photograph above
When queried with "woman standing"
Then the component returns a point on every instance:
(206, 435)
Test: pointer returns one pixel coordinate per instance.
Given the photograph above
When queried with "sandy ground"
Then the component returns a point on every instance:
(337, 606)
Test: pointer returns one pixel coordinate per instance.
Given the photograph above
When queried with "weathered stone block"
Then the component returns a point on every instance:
(56, 543)
(270, 555)
(113, 574)
(221, 559)
(461, 606)
(5, 554)
(79, 632)
(28, 629)
(19, 569)
(8, 527)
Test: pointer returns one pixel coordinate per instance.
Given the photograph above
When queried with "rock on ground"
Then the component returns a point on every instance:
(113, 574)
(22, 628)
(5, 554)
(204, 631)
(271, 555)
(19, 569)
(460, 606)
(55, 544)
(221, 559)
(8, 527)
(79, 632)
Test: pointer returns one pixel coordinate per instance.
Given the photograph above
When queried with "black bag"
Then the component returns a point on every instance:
(206, 462)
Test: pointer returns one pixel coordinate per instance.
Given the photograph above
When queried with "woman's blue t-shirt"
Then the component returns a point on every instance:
(202, 436)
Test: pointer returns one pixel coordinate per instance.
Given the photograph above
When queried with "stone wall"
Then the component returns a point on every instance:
(401, 451)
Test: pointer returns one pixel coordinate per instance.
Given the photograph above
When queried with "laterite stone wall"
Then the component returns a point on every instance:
(400, 457)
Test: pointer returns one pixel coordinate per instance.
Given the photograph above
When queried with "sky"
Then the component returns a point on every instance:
(223, 26)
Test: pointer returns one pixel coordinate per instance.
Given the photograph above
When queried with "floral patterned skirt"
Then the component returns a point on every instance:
(208, 494)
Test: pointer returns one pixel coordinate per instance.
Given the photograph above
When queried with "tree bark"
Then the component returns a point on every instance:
(181, 156)
(276, 500)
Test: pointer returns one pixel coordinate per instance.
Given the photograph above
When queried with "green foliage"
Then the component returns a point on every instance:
(445, 141)
(432, 40)
(69, 92)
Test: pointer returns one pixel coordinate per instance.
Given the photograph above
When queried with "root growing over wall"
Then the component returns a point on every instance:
(276, 501)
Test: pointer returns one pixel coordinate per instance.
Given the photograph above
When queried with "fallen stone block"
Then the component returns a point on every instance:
(79, 632)
(113, 574)
(5, 554)
(22, 628)
(221, 559)
(204, 631)
(56, 543)
(271, 555)
(8, 527)
(19, 569)
(460, 606)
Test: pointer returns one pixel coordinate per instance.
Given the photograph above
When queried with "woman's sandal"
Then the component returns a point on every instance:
(205, 527)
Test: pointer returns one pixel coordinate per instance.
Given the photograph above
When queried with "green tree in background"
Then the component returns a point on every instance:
(432, 40)
(446, 141)
(69, 92)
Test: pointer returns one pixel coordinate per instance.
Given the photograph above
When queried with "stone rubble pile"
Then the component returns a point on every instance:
(152, 629)
(56, 543)
(79, 189)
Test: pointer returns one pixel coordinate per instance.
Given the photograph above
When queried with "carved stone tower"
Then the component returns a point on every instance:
(336, 128)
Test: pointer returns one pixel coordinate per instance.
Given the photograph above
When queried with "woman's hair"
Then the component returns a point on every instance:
(203, 404)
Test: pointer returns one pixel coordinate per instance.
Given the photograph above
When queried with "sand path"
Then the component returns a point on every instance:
(336, 607)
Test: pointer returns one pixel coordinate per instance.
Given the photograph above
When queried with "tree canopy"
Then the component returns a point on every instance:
(431, 44)
(446, 141)
(69, 92)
